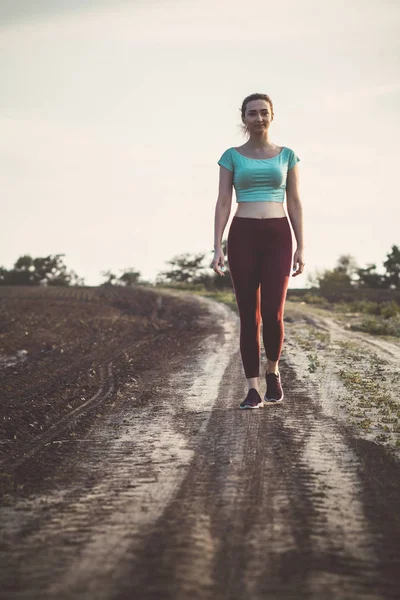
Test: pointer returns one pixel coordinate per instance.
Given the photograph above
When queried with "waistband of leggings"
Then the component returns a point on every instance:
(272, 220)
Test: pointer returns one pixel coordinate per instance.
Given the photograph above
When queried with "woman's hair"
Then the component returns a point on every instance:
(249, 99)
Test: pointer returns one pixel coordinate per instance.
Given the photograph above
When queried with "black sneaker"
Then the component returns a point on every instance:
(252, 400)
(274, 393)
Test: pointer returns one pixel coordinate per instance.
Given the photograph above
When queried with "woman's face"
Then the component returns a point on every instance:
(258, 116)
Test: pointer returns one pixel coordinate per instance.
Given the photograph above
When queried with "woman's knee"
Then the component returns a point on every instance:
(271, 315)
(250, 324)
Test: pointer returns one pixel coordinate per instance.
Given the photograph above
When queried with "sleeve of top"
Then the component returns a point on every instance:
(293, 159)
(226, 160)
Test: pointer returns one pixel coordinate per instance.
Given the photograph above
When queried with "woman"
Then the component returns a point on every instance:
(259, 244)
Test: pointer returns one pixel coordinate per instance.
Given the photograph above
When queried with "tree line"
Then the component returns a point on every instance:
(195, 269)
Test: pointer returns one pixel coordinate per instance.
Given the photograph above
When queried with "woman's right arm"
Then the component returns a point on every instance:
(222, 212)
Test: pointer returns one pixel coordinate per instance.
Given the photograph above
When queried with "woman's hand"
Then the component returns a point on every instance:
(298, 259)
(218, 262)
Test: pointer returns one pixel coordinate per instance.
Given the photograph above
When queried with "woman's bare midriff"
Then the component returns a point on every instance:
(260, 210)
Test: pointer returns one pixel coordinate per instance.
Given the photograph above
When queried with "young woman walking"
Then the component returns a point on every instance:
(259, 244)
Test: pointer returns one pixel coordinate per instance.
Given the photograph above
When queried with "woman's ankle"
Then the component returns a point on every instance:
(253, 382)
(272, 366)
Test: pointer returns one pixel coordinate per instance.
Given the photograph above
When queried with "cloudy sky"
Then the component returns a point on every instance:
(113, 115)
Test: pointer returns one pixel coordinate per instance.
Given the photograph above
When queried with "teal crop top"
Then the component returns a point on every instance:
(259, 179)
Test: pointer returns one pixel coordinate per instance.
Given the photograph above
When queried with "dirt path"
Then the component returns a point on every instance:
(183, 496)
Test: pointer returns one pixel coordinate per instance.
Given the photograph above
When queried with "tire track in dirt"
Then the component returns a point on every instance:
(107, 384)
(189, 497)
(371, 358)
(275, 508)
(280, 505)
(121, 485)
(65, 422)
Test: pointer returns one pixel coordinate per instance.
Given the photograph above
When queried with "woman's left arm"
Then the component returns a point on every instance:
(295, 211)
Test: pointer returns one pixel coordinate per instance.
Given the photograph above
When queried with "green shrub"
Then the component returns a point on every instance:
(314, 299)
(294, 298)
(385, 309)
(389, 309)
(379, 325)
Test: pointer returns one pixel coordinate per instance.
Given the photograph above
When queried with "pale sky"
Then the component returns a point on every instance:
(114, 114)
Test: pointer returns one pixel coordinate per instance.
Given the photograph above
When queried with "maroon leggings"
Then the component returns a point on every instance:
(260, 252)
